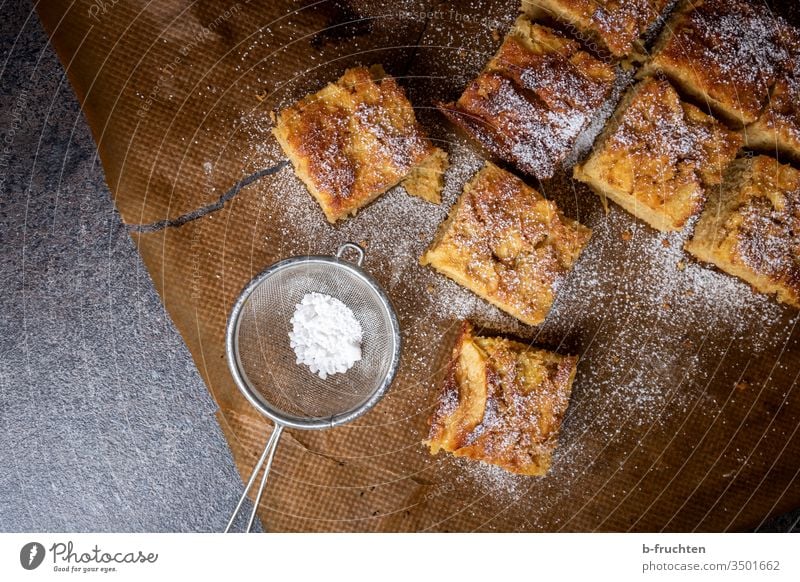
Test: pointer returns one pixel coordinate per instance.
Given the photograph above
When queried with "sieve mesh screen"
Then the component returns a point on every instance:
(267, 362)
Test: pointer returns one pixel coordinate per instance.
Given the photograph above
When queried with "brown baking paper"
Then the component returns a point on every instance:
(685, 411)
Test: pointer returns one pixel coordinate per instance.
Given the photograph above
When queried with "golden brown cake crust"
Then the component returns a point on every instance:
(427, 179)
(533, 99)
(752, 228)
(502, 402)
(507, 244)
(618, 24)
(659, 155)
(353, 140)
(778, 128)
(725, 52)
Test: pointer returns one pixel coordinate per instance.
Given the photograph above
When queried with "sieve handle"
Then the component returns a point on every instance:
(354, 247)
(267, 455)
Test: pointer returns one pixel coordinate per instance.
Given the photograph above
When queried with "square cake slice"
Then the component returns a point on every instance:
(502, 403)
(617, 24)
(751, 228)
(508, 244)
(533, 99)
(726, 53)
(356, 138)
(778, 128)
(658, 155)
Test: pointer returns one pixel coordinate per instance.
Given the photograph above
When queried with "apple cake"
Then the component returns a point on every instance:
(750, 228)
(658, 156)
(616, 24)
(778, 128)
(726, 53)
(356, 138)
(533, 99)
(508, 244)
(502, 402)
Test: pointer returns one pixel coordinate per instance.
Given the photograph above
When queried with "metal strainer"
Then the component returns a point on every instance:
(264, 365)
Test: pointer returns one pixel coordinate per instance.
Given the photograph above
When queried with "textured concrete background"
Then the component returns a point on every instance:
(105, 423)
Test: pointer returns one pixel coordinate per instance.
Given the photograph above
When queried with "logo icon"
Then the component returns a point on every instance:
(31, 555)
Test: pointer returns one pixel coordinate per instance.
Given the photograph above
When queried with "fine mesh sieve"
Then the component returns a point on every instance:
(263, 363)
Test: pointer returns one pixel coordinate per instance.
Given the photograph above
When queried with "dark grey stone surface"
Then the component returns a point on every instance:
(105, 424)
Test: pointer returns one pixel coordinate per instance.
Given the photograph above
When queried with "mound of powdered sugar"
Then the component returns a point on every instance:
(325, 335)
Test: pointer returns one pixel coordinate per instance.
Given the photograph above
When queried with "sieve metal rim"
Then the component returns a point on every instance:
(255, 399)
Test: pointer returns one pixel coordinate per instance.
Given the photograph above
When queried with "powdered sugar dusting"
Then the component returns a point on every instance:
(641, 295)
(656, 302)
(491, 479)
(734, 48)
(325, 335)
(649, 322)
(529, 108)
